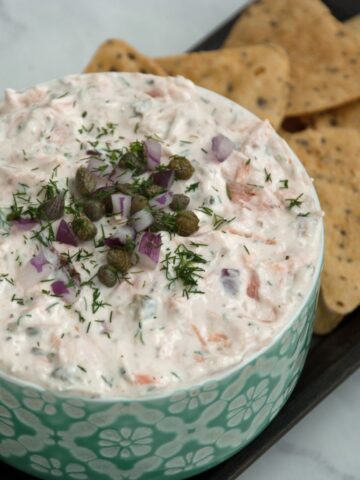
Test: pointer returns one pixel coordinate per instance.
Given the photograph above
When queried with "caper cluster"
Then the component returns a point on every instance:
(119, 261)
(96, 202)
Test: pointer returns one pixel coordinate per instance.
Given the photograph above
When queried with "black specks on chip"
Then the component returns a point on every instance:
(229, 87)
(262, 102)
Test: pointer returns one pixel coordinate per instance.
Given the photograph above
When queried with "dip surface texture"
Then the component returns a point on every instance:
(259, 239)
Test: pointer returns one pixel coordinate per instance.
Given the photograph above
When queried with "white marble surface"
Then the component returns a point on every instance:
(43, 39)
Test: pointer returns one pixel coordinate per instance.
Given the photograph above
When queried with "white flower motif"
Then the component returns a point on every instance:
(39, 401)
(247, 404)
(51, 466)
(76, 471)
(6, 422)
(125, 442)
(74, 408)
(189, 461)
(192, 399)
(287, 341)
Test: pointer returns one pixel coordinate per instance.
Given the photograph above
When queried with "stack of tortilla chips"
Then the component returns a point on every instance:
(293, 63)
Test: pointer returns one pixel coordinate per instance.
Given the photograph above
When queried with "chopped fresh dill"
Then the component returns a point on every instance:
(19, 301)
(183, 265)
(285, 183)
(51, 306)
(192, 187)
(207, 210)
(63, 95)
(80, 316)
(219, 221)
(139, 333)
(267, 176)
(7, 278)
(246, 249)
(294, 202)
(97, 302)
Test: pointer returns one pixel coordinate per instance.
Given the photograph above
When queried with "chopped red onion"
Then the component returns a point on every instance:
(99, 167)
(120, 175)
(39, 261)
(152, 150)
(148, 250)
(141, 220)
(24, 223)
(121, 236)
(65, 234)
(221, 147)
(163, 178)
(59, 288)
(161, 201)
(121, 204)
(30, 274)
(230, 279)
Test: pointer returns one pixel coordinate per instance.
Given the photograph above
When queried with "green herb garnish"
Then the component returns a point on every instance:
(183, 265)
(294, 202)
(192, 187)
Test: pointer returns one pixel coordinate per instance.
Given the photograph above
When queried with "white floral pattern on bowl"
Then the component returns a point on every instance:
(175, 435)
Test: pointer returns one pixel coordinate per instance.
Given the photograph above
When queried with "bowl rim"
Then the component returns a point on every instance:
(167, 392)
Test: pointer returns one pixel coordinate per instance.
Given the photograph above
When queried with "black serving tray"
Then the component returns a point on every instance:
(331, 359)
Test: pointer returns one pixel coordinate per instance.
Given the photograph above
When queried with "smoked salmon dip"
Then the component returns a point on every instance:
(152, 234)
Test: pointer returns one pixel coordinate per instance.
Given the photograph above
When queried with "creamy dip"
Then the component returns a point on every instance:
(259, 238)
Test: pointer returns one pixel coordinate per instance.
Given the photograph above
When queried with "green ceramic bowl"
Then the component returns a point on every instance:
(172, 435)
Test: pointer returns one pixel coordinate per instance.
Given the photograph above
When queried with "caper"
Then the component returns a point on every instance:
(94, 210)
(12, 216)
(85, 181)
(153, 190)
(119, 259)
(52, 209)
(84, 228)
(182, 167)
(107, 275)
(179, 202)
(133, 161)
(138, 202)
(187, 223)
(124, 188)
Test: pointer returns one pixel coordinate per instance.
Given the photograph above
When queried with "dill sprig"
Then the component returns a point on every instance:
(192, 187)
(217, 220)
(285, 183)
(183, 265)
(294, 202)
(267, 176)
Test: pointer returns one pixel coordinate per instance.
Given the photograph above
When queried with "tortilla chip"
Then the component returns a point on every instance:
(255, 77)
(329, 154)
(118, 56)
(326, 320)
(324, 54)
(354, 24)
(332, 157)
(345, 116)
(341, 275)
